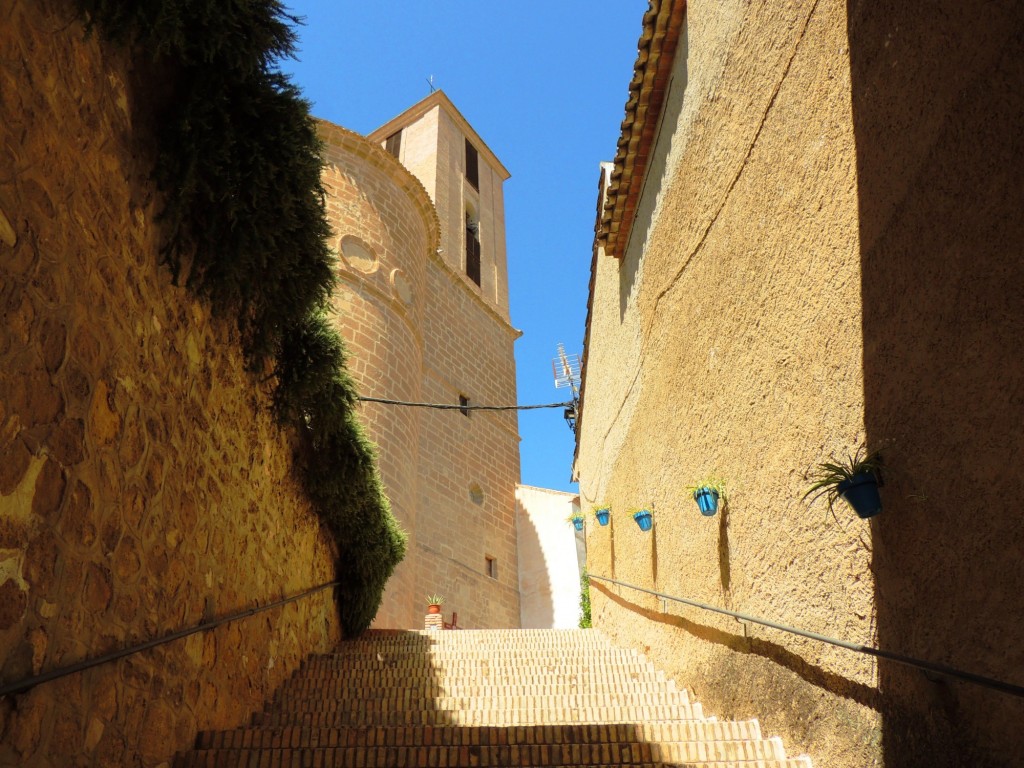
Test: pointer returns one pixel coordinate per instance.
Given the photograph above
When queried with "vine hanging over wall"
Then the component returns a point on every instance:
(238, 162)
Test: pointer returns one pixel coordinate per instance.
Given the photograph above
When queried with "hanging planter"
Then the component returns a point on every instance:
(861, 493)
(707, 500)
(577, 522)
(855, 480)
(603, 514)
(644, 519)
(707, 494)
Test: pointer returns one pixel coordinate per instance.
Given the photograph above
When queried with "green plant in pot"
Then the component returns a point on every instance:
(707, 494)
(854, 479)
(603, 513)
(434, 603)
(577, 520)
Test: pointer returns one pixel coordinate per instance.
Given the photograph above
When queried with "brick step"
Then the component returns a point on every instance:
(596, 675)
(243, 759)
(340, 688)
(485, 698)
(491, 637)
(324, 715)
(455, 735)
(578, 636)
(491, 656)
(726, 754)
(485, 662)
(723, 753)
(384, 671)
(395, 702)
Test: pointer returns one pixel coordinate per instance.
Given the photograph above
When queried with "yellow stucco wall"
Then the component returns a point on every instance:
(799, 281)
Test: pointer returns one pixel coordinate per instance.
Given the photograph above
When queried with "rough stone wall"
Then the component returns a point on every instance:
(802, 282)
(143, 484)
(380, 302)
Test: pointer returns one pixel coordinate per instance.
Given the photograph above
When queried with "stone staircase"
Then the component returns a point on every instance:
(485, 698)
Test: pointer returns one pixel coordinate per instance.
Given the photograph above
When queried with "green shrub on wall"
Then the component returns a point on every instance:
(585, 617)
(239, 164)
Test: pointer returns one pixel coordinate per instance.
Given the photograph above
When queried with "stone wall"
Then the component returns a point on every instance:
(144, 486)
(827, 254)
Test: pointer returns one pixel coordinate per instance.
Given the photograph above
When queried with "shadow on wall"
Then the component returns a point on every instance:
(537, 608)
(724, 567)
(753, 646)
(938, 105)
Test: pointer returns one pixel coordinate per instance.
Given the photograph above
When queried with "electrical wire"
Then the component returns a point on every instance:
(467, 407)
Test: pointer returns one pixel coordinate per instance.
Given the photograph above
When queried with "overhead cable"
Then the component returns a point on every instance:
(466, 407)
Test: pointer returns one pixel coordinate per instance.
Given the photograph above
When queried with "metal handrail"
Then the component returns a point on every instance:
(30, 682)
(928, 666)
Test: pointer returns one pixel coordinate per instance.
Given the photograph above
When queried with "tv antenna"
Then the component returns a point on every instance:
(430, 82)
(567, 374)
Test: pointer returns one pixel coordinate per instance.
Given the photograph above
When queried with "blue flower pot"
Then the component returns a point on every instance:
(602, 516)
(707, 500)
(861, 493)
(644, 520)
(577, 523)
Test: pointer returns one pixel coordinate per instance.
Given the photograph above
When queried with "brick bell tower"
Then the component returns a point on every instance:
(418, 210)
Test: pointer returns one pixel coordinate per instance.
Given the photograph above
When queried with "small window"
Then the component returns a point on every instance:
(491, 566)
(472, 166)
(393, 143)
(463, 403)
(473, 249)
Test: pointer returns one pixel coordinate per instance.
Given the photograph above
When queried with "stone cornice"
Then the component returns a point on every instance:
(377, 157)
(439, 99)
(458, 280)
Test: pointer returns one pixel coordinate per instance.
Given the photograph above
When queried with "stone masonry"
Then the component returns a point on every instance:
(143, 484)
(420, 330)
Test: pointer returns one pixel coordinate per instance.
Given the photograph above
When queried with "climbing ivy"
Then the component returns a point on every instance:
(585, 622)
(238, 161)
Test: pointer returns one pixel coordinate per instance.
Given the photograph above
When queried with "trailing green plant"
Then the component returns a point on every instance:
(585, 619)
(243, 36)
(826, 476)
(712, 483)
(238, 161)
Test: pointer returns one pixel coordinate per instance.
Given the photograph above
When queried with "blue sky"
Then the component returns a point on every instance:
(545, 85)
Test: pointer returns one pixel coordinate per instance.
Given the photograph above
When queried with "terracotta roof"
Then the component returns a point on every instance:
(647, 92)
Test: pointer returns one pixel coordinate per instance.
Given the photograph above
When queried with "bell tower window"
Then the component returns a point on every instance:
(472, 248)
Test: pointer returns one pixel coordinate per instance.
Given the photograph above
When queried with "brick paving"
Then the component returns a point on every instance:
(485, 698)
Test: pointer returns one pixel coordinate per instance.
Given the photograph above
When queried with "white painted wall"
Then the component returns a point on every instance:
(549, 567)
